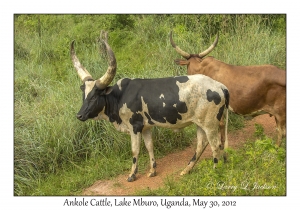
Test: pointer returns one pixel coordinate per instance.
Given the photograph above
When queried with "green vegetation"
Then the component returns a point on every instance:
(258, 168)
(55, 154)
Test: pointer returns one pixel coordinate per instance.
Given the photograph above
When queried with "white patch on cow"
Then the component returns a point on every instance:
(101, 116)
(164, 104)
(200, 110)
(144, 109)
(119, 84)
(174, 105)
(230, 108)
(119, 127)
(89, 85)
(125, 114)
(162, 96)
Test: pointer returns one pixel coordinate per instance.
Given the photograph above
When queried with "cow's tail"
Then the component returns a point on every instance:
(226, 94)
(226, 126)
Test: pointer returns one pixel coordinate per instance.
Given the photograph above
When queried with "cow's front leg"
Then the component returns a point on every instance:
(135, 147)
(147, 135)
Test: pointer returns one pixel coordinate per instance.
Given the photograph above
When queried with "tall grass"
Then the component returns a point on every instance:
(50, 143)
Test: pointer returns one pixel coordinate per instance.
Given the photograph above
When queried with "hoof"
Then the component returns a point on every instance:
(131, 178)
(187, 170)
(183, 173)
(152, 174)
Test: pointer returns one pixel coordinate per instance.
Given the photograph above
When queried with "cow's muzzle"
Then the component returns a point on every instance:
(81, 118)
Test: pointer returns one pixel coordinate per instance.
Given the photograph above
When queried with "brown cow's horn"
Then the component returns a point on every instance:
(81, 71)
(208, 50)
(180, 51)
(106, 79)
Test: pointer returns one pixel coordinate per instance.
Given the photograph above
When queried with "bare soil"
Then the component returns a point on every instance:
(173, 164)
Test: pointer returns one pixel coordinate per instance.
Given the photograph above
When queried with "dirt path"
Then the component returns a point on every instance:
(174, 163)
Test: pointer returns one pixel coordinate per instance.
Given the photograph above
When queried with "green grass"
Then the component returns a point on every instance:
(258, 168)
(51, 145)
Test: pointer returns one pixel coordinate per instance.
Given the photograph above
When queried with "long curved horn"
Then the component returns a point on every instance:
(110, 73)
(81, 71)
(180, 51)
(208, 50)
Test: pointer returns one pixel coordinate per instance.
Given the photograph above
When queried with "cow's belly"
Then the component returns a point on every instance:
(175, 127)
(249, 114)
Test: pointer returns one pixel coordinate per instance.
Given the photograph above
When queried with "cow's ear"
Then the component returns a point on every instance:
(108, 90)
(82, 87)
(181, 62)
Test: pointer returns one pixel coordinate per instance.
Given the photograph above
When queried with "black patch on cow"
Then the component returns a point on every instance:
(167, 108)
(226, 94)
(213, 96)
(131, 178)
(182, 79)
(193, 158)
(221, 110)
(154, 164)
(160, 95)
(134, 160)
(137, 123)
(181, 107)
(216, 160)
(136, 170)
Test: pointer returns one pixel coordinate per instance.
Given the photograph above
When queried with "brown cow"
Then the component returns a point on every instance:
(254, 90)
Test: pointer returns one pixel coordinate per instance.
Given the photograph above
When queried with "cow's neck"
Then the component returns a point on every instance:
(210, 67)
(111, 108)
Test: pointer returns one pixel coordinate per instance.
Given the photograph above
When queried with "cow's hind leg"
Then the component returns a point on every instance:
(281, 129)
(135, 147)
(147, 135)
(215, 144)
(201, 145)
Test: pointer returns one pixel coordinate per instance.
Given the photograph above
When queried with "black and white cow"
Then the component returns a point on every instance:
(136, 105)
